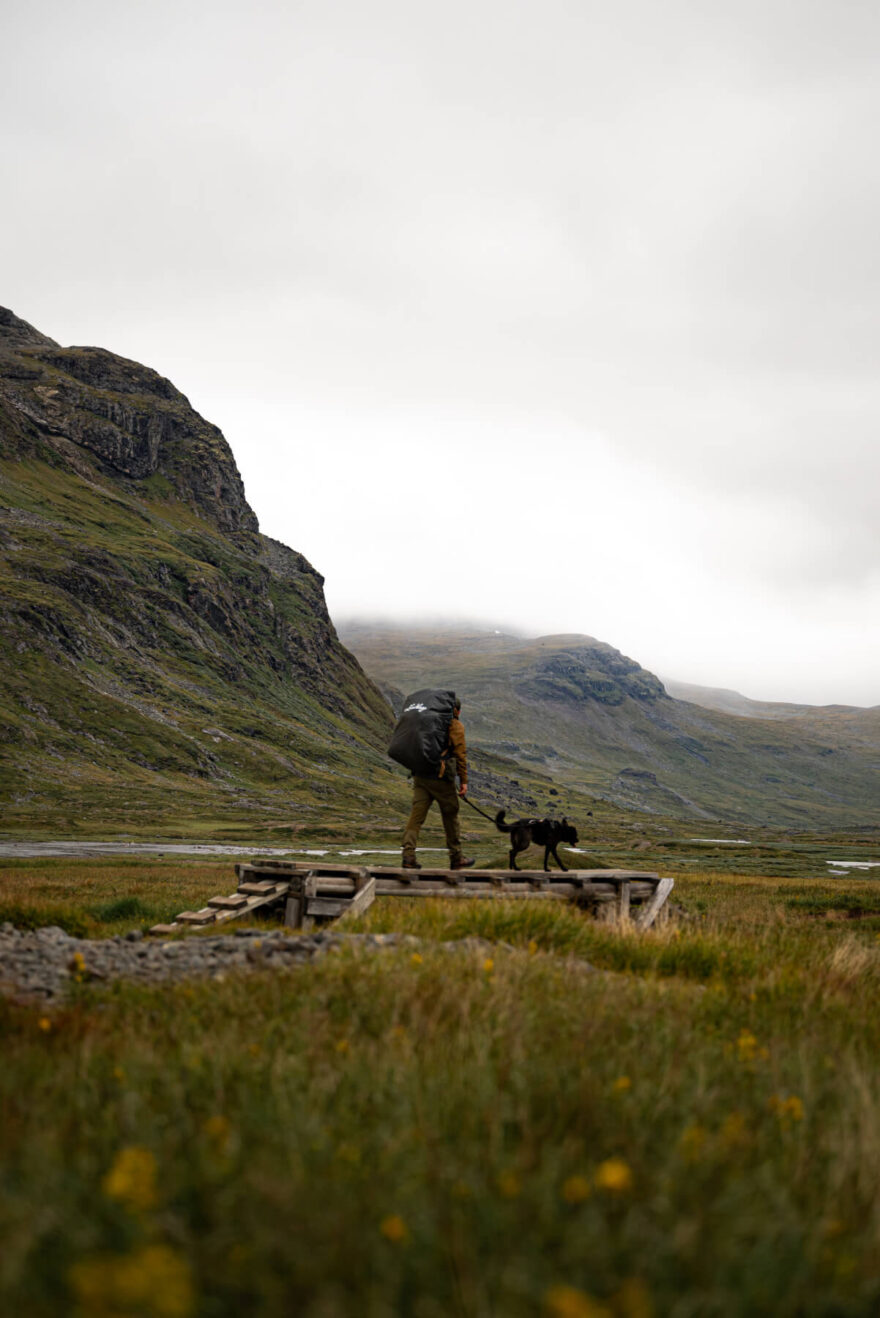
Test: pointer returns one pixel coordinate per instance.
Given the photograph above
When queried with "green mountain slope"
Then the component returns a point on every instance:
(163, 664)
(601, 725)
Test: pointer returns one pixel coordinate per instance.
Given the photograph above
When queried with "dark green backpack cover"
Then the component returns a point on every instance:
(422, 731)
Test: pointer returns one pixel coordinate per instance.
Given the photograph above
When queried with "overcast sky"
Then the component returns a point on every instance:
(562, 316)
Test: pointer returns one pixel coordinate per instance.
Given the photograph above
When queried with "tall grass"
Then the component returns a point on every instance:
(692, 1128)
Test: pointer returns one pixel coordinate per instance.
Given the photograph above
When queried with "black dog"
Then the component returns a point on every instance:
(546, 833)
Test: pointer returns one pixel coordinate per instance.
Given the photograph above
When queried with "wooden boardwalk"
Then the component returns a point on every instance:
(306, 891)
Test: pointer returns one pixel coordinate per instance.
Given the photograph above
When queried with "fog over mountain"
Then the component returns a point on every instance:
(564, 316)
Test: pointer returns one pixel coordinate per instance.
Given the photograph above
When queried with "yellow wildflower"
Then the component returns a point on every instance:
(118, 1073)
(746, 1046)
(154, 1279)
(576, 1189)
(218, 1131)
(416, 959)
(132, 1179)
(692, 1142)
(795, 1108)
(633, 1300)
(569, 1302)
(44, 1024)
(787, 1109)
(342, 1046)
(533, 947)
(394, 1228)
(77, 965)
(622, 1084)
(488, 965)
(508, 1185)
(614, 1175)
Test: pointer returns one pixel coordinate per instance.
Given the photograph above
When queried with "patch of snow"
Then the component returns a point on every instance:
(723, 841)
(375, 851)
(844, 865)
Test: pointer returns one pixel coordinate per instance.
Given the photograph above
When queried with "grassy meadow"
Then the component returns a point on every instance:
(692, 1128)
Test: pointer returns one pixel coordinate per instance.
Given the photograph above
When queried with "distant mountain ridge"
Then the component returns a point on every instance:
(160, 657)
(732, 702)
(600, 724)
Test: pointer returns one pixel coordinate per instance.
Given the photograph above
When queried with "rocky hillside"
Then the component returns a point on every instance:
(162, 662)
(602, 726)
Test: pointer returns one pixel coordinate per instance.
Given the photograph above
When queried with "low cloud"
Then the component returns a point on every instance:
(586, 296)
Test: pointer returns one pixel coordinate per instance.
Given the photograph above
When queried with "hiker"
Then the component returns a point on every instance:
(442, 790)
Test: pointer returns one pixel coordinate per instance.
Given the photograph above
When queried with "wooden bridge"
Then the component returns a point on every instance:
(306, 892)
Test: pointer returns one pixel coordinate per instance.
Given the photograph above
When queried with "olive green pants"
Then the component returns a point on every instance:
(426, 791)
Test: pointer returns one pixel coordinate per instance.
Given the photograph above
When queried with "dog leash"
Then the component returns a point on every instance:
(491, 818)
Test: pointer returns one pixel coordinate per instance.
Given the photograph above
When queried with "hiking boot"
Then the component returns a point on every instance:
(410, 863)
(463, 864)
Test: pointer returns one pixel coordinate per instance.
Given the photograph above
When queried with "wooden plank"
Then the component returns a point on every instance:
(267, 898)
(612, 876)
(309, 892)
(228, 903)
(362, 900)
(280, 869)
(594, 891)
(327, 906)
(465, 892)
(293, 911)
(248, 871)
(338, 871)
(467, 876)
(165, 928)
(260, 889)
(252, 904)
(223, 917)
(204, 916)
(623, 901)
(651, 910)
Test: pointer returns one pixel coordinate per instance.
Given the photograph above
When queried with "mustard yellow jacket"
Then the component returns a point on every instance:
(456, 746)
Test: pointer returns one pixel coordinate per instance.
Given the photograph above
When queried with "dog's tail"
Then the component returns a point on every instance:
(499, 822)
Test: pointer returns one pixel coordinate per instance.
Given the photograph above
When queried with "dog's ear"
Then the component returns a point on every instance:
(564, 820)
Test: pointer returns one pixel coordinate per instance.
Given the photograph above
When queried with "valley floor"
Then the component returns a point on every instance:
(557, 1117)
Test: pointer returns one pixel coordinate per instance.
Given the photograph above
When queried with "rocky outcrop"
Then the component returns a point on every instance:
(135, 422)
(596, 672)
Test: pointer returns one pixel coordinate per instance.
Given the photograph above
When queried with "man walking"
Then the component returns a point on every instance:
(442, 790)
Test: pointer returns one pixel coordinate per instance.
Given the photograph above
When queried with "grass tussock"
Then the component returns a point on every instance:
(691, 1128)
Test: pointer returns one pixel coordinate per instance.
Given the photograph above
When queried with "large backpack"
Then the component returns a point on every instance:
(422, 731)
